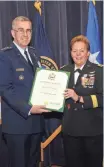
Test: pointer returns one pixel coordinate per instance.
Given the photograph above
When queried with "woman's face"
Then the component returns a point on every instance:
(79, 53)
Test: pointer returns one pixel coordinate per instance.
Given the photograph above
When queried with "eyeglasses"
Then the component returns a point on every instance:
(22, 31)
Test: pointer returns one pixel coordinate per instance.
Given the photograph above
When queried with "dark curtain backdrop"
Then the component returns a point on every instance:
(62, 21)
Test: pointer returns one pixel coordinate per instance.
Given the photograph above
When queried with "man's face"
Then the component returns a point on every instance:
(79, 53)
(22, 33)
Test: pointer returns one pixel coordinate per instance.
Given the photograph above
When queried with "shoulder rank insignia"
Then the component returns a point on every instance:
(6, 48)
(63, 66)
(100, 65)
(31, 47)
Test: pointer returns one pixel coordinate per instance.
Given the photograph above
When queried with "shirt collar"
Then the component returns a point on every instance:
(75, 67)
(20, 49)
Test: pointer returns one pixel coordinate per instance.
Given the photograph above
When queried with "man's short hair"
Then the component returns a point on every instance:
(19, 18)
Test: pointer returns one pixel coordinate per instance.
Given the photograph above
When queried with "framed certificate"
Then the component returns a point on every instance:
(48, 88)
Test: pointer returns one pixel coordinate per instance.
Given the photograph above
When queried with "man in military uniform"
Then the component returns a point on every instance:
(22, 124)
(83, 116)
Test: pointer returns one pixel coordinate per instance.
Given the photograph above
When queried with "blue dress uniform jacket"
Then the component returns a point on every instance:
(15, 86)
(85, 119)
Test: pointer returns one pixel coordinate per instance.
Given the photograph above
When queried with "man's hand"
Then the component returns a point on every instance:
(38, 109)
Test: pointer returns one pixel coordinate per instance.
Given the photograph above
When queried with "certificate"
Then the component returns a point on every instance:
(48, 88)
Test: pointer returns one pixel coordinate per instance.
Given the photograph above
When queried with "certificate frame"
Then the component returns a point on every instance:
(46, 88)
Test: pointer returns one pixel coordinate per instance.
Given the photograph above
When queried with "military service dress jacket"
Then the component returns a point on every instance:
(15, 87)
(85, 119)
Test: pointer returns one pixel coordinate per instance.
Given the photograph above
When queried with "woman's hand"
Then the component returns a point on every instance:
(70, 93)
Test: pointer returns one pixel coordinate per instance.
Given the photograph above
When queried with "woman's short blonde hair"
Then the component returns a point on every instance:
(80, 38)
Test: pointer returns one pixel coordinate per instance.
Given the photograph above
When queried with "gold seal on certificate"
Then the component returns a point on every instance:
(48, 88)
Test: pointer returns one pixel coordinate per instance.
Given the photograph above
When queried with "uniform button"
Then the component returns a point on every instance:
(75, 109)
(82, 106)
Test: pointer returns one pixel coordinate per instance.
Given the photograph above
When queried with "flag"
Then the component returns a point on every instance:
(93, 35)
(41, 42)
(54, 151)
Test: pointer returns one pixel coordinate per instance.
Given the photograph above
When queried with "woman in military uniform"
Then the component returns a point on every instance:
(83, 116)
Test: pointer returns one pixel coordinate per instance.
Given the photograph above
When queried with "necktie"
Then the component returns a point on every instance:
(29, 62)
(76, 75)
(78, 70)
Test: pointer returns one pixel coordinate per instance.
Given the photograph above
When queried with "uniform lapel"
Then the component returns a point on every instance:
(87, 65)
(34, 59)
(20, 56)
(71, 79)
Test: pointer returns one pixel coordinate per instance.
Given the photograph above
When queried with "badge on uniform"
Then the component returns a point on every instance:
(84, 80)
(21, 77)
(87, 80)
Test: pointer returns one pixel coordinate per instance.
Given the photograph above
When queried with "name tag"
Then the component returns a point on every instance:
(19, 69)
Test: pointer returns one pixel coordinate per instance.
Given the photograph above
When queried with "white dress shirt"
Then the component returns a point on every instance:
(76, 74)
(22, 51)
